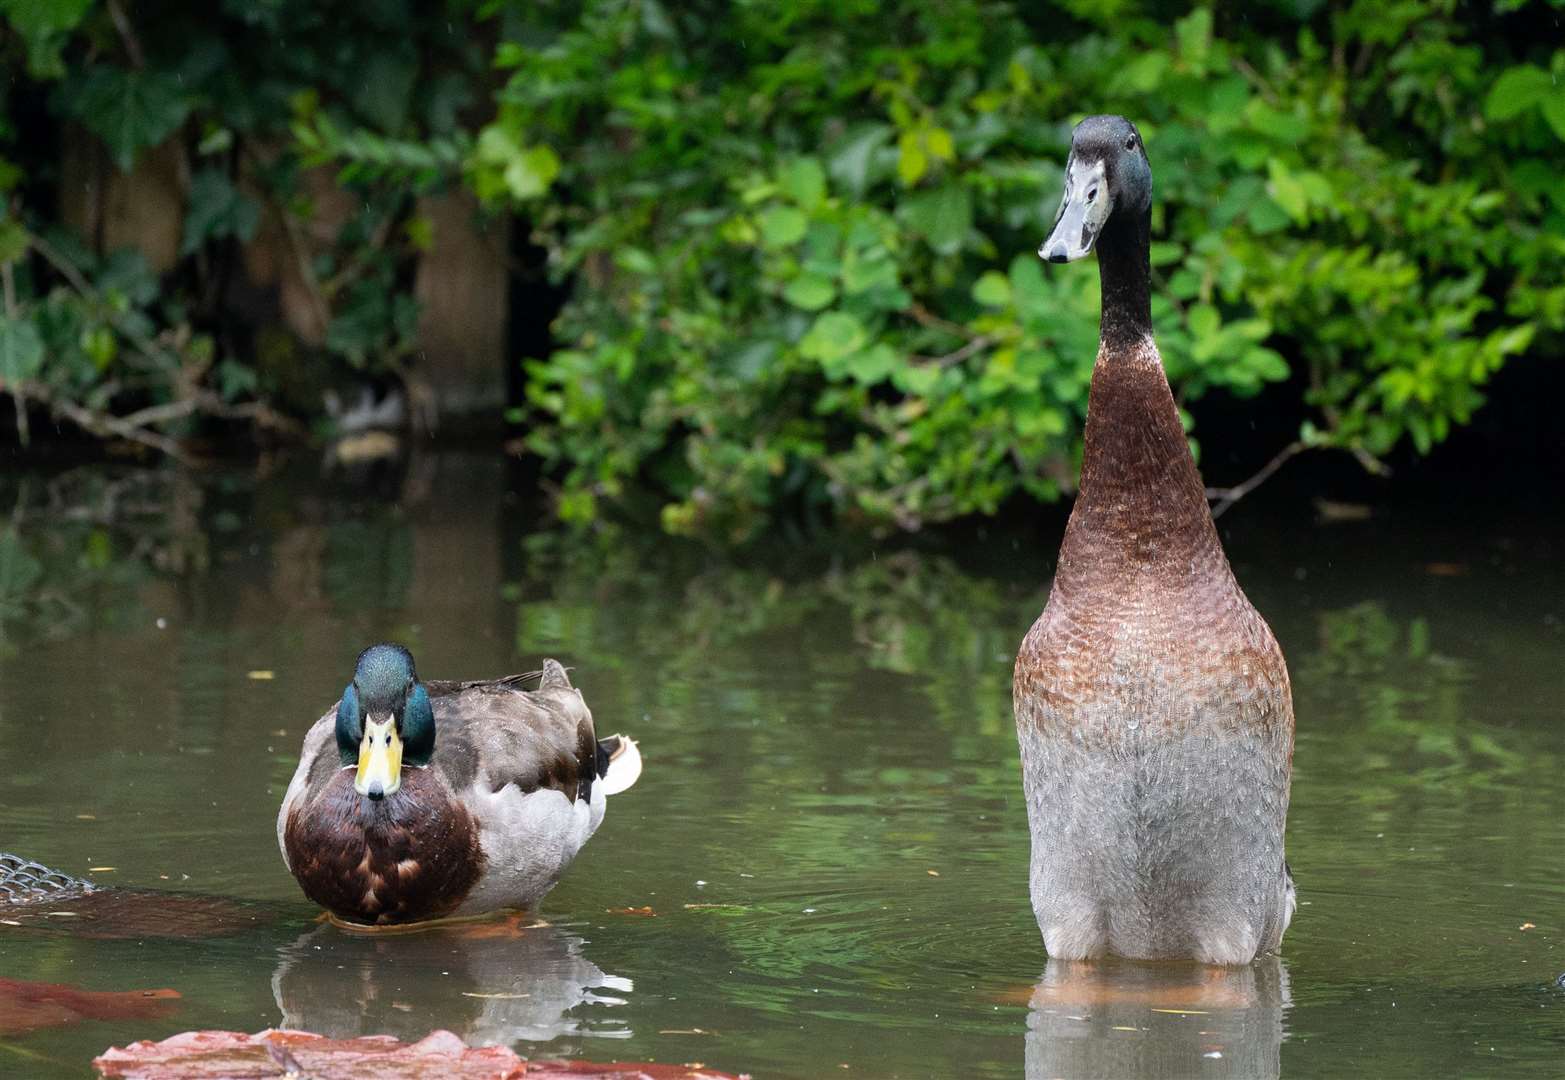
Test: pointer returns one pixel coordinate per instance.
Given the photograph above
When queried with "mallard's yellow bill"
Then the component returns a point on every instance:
(380, 759)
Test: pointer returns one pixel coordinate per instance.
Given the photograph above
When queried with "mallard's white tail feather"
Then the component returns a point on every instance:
(624, 765)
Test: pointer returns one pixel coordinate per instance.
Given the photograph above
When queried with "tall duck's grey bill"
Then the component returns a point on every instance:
(1083, 210)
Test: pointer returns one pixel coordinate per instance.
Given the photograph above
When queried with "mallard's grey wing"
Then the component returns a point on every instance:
(494, 735)
(444, 687)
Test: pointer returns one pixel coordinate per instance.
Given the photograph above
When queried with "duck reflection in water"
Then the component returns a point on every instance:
(1119, 1018)
(492, 983)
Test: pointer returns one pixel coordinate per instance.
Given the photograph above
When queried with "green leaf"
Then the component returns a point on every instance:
(13, 241)
(1266, 217)
(1514, 340)
(1286, 189)
(1517, 90)
(383, 90)
(804, 181)
(1554, 112)
(503, 166)
(1033, 297)
(810, 291)
(872, 365)
(216, 209)
(852, 158)
(21, 349)
(992, 289)
(835, 334)
(129, 110)
(1195, 37)
(877, 271)
(1283, 127)
(35, 19)
(1203, 321)
(912, 162)
(1267, 363)
(531, 172)
(782, 226)
(1143, 73)
(127, 274)
(942, 216)
(916, 380)
(938, 141)
(634, 260)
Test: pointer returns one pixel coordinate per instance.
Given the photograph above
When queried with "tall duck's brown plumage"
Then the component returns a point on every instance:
(1152, 703)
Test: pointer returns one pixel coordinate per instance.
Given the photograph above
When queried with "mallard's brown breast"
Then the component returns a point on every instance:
(407, 858)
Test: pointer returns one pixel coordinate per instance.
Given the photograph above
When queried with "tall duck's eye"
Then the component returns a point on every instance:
(1130, 143)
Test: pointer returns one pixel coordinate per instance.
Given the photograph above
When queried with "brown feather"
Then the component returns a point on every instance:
(411, 856)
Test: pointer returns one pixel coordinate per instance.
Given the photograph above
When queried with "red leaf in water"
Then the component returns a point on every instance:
(28, 1006)
(587, 1070)
(231, 1055)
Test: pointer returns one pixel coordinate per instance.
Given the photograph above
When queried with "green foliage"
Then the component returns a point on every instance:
(259, 109)
(130, 110)
(803, 273)
(800, 272)
(216, 209)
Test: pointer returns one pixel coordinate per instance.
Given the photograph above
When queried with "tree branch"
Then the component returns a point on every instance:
(924, 317)
(977, 344)
(104, 424)
(1226, 497)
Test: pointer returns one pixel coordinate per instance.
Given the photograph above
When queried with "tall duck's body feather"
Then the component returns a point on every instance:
(1152, 702)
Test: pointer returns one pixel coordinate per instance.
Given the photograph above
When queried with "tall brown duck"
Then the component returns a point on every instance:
(1152, 702)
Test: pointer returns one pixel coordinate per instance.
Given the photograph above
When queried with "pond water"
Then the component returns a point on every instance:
(829, 836)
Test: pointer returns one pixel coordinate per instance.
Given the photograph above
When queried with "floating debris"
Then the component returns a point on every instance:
(208, 1055)
(28, 1006)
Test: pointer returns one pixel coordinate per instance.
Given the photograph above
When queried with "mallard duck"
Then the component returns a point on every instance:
(1152, 703)
(422, 800)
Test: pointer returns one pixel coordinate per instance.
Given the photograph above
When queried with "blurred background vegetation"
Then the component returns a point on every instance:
(761, 259)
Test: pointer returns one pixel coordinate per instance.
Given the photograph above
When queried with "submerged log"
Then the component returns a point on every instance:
(36, 897)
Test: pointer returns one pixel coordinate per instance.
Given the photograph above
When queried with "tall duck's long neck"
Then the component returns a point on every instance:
(1141, 499)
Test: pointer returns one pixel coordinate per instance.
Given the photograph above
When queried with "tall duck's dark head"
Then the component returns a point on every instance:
(384, 721)
(1106, 174)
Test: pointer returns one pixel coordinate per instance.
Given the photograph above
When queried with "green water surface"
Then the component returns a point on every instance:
(829, 832)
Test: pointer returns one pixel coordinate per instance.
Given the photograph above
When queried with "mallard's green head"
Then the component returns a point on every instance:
(1107, 173)
(384, 720)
